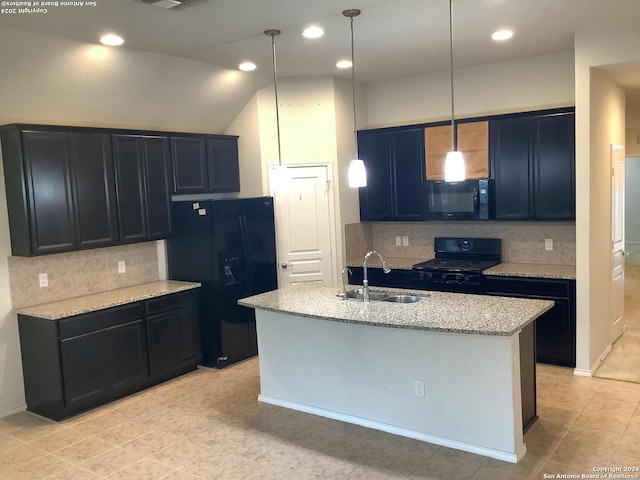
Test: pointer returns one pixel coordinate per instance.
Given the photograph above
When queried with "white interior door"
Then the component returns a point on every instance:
(617, 242)
(303, 226)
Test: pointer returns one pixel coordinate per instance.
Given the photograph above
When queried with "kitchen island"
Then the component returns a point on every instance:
(445, 369)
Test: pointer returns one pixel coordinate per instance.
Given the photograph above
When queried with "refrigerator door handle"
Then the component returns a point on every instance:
(248, 280)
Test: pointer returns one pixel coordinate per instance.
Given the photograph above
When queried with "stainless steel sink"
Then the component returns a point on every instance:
(384, 296)
(373, 295)
(402, 298)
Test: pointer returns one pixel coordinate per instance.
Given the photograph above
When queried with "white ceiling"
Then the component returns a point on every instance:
(393, 38)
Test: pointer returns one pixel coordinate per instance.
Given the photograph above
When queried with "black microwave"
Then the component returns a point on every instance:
(466, 200)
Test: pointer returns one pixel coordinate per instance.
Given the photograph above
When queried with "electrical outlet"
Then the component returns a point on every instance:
(44, 280)
(405, 241)
(548, 243)
(418, 388)
(122, 266)
(398, 241)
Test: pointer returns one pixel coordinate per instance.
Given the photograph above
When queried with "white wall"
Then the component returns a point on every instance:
(349, 202)
(247, 126)
(519, 85)
(600, 121)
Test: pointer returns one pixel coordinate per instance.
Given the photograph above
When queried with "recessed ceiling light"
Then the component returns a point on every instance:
(247, 66)
(313, 32)
(112, 40)
(502, 35)
(344, 64)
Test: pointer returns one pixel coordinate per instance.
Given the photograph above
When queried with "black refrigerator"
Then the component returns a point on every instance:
(229, 246)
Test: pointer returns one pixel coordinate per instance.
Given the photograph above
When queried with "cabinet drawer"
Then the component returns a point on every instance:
(531, 287)
(172, 301)
(91, 322)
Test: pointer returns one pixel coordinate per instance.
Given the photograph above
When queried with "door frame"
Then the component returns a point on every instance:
(614, 151)
(335, 242)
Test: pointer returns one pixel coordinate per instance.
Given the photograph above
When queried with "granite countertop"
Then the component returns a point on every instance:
(102, 300)
(398, 263)
(532, 270)
(439, 311)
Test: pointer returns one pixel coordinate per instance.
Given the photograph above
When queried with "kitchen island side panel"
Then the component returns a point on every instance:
(366, 375)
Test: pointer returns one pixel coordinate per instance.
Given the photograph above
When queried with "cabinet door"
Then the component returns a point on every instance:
(94, 190)
(556, 334)
(83, 374)
(510, 147)
(472, 139)
(224, 170)
(188, 334)
(375, 198)
(132, 204)
(190, 168)
(125, 358)
(408, 155)
(554, 167)
(157, 169)
(163, 343)
(50, 203)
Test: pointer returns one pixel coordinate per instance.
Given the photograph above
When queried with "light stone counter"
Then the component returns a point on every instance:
(532, 270)
(111, 298)
(438, 312)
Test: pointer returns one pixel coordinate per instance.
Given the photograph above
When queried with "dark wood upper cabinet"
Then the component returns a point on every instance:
(534, 167)
(94, 191)
(511, 150)
(554, 167)
(394, 160)
(190, 168)
(142, 183)
(60, 190)
(224, 170)
(130, 187)
(205, 164)
(49, 191)
(157, 169)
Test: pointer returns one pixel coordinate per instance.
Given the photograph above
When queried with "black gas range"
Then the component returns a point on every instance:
(458, 264)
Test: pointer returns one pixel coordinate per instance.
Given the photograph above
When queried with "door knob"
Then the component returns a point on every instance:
(284, 264)
(625, 253)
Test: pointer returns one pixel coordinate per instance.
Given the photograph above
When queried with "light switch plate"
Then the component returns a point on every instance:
(43, 279)
(398, 241)
(548, 243)
(122, 266)
(405, 241)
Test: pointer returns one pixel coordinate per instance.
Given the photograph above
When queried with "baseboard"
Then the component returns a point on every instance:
(580, 372)
(13, 411)
(404, 432)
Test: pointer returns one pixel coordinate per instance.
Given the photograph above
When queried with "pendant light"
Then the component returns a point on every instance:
(454, 170)
(278, 179)
(357, 173)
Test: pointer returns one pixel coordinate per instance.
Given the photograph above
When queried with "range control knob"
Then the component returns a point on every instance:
(444, 275)
(429, 275)
(466, 278)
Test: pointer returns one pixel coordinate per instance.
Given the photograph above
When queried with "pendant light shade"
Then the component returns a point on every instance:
(357, 172)
(454, 170)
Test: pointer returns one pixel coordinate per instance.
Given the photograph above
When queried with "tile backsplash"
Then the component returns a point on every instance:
(522, 242)
(80, 273)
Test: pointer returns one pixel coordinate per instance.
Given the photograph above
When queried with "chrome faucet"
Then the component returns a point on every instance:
(344, 282)
(365, 280)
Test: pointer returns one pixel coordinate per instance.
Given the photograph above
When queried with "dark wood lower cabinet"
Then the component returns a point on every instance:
(77, 363)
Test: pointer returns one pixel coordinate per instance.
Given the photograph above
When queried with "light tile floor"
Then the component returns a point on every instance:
(209, 425)
(623, 362)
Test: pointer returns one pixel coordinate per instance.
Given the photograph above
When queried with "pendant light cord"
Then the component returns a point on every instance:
(353, 91)
(453, 127)
(350, 13)
(272, 34)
